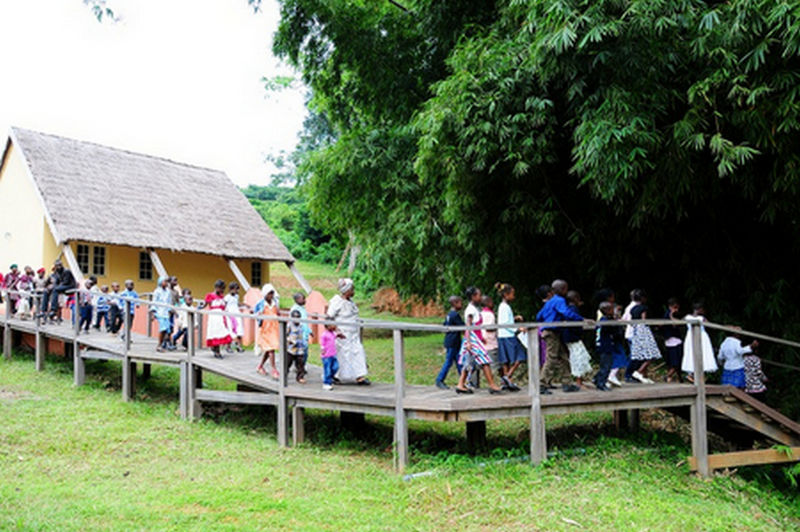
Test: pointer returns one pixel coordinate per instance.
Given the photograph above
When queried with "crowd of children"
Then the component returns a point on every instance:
(623, 353)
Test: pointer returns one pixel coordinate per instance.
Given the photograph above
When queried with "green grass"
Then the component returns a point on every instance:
(80, 458)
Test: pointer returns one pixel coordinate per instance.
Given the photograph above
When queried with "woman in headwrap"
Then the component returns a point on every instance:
(268, 339)
(349, 350)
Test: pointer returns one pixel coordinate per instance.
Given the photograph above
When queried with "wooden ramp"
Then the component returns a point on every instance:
(722, 409)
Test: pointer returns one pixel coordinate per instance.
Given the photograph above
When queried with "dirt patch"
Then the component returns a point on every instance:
(11, 395)
(388, 300)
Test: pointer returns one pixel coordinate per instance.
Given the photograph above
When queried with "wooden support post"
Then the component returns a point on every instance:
(127, 323)
(698, 416)
(149, 315)
(6, 326)
(299, 277)
(240, 278)
(620, 420)
(283, 409)
(76, 315)
(400, 415)
(298, 425)
(633, 420)
(39, 353)
(183, 394)
(78, 366)
(193, 408)
(128, 379)
(538, 436)
(146, 370)
(476, 435)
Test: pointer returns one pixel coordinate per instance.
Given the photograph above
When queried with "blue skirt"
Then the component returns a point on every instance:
(510, 350)
(620, 359)
(734, 377)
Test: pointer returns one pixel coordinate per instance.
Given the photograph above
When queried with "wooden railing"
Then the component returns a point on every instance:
(538, 446)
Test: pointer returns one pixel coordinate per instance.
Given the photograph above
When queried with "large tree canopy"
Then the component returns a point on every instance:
(648, 143)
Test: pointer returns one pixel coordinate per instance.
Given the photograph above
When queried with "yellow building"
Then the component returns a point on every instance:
(120, 215)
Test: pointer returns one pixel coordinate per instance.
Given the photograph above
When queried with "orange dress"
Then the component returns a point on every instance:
(269, 330)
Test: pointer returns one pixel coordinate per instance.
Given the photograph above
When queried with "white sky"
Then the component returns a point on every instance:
(176, 78)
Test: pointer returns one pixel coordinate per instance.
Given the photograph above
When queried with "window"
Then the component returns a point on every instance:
(83, 258)
(99, 261)
(145, 267)
(255, 274)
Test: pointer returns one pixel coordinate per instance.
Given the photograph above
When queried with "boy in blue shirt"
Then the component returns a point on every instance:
(556, 365)
(131, 293)
(452, 341)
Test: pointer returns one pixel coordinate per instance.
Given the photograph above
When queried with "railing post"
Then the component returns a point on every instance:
(150, 317)
(128, 371)
(39, 353)
(400, 415)
(191, 408)
(127, 323)
(76, 314)
(283, 411)
(698, 417)
(538, 436)
(6, 326)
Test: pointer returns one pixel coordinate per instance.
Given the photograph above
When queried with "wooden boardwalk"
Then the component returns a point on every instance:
(400, 401)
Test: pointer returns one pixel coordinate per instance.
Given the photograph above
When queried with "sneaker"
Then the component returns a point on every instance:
(327, 387)
(569, 388)
(442, 386)
(614, 380)
(545, 391)
(603, 388)
(639, 377)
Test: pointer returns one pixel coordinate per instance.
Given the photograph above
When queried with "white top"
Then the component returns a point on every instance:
(472, 312)
(489, 337)
(731, 353)
(505, 316)
(626, 316)
(232, 302)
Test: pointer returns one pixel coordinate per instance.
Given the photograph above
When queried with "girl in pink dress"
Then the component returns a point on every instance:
(218, 332)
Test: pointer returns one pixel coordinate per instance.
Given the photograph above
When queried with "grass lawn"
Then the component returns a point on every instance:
(80, 458)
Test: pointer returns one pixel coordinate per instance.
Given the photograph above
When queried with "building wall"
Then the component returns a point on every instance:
(22, 221)
(197, 271)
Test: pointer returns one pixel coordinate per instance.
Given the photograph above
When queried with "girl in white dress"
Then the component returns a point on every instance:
(349, 349)
(709, 362)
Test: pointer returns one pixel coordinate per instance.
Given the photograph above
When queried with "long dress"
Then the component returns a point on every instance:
(217, 332)
(269, 331)
(349, 350)
(709, 362)
(643, 344)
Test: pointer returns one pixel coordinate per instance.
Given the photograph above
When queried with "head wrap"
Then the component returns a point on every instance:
(345, 285)
(13, 267)
(41, 270)
(162, 279)
(267, 288)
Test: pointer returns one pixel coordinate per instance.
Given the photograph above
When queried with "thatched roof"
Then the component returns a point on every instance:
(100, 194)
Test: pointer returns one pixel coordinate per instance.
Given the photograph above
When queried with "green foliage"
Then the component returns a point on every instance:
(286, 212)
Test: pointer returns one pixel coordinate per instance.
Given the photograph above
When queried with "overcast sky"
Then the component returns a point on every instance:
(176, 78)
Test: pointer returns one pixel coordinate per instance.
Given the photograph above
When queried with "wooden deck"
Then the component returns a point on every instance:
(398, 400)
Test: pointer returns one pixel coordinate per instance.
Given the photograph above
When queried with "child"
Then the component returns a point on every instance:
(300, 306)
(328, 353)
(608, 343)
(731, 357)
(673, 341)
(754, 377)
(116, 309)
(85, 298)
(268, 331)
(709, 363)
(217, 333)
(182, 320)
(296, 346)
(24, 286)
(130, 293)
(643, 345)
(489, 336)
(510, 352)
(234, 323)
(102, 307)
(473, 351)
(636, 299)
(580, 362)
(620, 360)
(556, 365)
(163, 295)
(452, 341)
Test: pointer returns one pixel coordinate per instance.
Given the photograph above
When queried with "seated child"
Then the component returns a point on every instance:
(609, 343)
(328, 353)
(296, 346)
(731, 357)
(580, 361)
